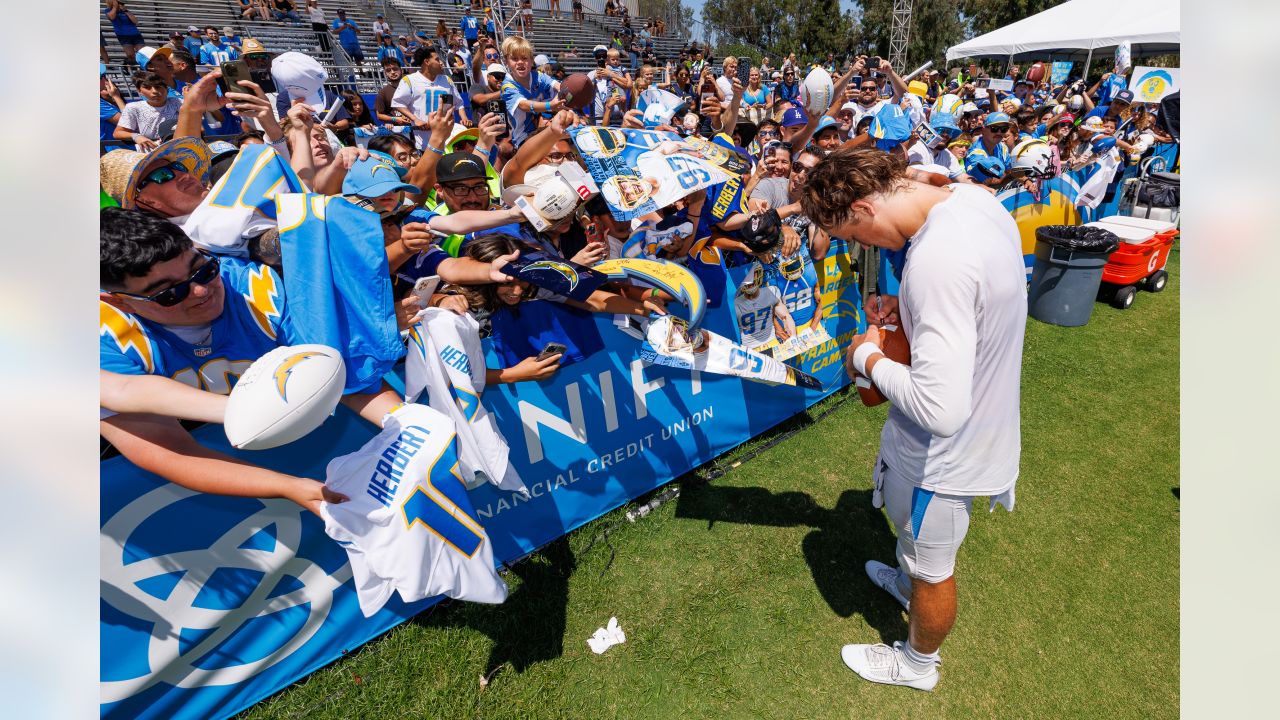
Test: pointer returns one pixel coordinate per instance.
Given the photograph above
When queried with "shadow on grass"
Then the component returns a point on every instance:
(842, 540)
(529, 627)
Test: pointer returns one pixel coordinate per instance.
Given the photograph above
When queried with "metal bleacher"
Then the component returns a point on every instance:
(157, 18)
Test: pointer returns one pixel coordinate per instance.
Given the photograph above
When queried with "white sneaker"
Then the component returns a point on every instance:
(883, 664)
(886, 578)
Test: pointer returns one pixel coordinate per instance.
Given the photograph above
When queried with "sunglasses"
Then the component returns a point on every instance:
(174, 294)
(559, 157)
(464, 190)
(998, 128)
(160, 175)
(801, 168)
(768, 134)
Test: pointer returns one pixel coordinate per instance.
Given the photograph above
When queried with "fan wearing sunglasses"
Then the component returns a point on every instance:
(988, 158)
(169, 309)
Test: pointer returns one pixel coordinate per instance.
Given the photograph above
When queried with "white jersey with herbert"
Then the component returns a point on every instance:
(755, 318)
(954, 423)
(409, 525)
(446, 361)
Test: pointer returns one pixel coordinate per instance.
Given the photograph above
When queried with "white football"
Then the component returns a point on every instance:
(817, 91)
(284, 395)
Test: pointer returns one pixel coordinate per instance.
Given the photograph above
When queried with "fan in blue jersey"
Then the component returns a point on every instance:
(526, 92)
(170, 310)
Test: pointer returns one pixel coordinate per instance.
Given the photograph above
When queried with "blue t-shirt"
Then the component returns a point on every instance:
(106, 111)
(1111, 88)
(787, 93)
(524, 123)
(193, 46)
(977, 150)
(386, 51)
(470, 27)
(523, 330)
(253, 322)
(211, 54)
(347, 35)
(122, 25)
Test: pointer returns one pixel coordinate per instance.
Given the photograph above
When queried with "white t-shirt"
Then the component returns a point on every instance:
(920, 154)
(954, 422)
(860, 111)
(409, 525)
(140, 117)
(316, 13)
(420, 96)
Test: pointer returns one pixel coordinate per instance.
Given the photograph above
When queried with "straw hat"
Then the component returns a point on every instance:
(120, 170)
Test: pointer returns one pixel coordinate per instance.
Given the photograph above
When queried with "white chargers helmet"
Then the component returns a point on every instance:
(1032, 158)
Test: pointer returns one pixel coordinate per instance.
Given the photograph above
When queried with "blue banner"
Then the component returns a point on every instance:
(211, 603)
(1061, 69)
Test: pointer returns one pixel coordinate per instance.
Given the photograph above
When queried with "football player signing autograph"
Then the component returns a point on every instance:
(953, 428)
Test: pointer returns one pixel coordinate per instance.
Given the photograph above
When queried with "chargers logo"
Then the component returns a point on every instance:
(127, 332)
(262, 297)
(566, 271)
(675, 280)
(285, 369)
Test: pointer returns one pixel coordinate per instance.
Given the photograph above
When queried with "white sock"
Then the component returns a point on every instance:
(918, 661)
(904, 583)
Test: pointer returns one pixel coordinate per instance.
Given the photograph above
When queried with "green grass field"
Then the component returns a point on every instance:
(737, 596)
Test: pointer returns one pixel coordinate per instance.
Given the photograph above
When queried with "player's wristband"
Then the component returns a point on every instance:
(862, 355)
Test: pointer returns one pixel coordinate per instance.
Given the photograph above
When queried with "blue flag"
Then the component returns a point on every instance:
(339, 285)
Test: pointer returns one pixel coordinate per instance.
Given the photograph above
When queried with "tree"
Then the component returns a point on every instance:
(935, 26)
(678, 17)
(808, 28)
(988, 15)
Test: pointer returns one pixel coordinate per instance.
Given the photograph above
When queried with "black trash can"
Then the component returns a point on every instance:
(1067, 272)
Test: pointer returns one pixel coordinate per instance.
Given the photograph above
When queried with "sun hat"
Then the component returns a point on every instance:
(119, 171)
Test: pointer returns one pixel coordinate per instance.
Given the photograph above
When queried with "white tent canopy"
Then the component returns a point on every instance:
(1083, 25)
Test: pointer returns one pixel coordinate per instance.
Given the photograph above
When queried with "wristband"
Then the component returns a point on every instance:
(434, 149)
(653, 292)
(862, 355)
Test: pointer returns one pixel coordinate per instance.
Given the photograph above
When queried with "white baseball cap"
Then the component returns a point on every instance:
(540, 60)
(301, 76)
(496, 69)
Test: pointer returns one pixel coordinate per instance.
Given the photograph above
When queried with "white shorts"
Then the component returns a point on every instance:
(931, 525)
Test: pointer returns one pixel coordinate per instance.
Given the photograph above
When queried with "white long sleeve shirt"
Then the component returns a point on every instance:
(954, 423)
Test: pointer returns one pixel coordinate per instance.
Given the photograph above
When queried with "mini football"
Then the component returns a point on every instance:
(577, 91)
(817, 91)
(894, 344)
(284, 395)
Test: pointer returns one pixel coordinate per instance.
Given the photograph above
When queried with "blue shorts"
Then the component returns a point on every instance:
(131, 40)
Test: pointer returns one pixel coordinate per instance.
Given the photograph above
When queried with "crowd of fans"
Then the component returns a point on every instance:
(463, 118)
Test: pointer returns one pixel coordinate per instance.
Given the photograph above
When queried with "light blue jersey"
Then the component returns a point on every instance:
(251, 324)
(524, 123)
(795, 278)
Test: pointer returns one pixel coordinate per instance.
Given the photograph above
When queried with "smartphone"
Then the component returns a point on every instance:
(262, 76)
(873, 63)
(551, 348)
(855, 82)
(446, 99)
(232, 73)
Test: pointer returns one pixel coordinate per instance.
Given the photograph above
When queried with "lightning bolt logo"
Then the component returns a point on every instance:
(373, 171)
(416, 338)
(127, 333)
(285, 369)
(262, 298)
(566, 271)
(674, 279)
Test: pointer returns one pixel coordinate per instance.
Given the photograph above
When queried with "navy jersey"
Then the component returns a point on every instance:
(252, 323)
(522, 331)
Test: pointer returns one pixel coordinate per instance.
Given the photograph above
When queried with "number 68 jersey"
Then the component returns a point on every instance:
(252, 323)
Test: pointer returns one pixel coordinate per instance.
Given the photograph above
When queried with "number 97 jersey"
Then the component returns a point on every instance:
(755, 318)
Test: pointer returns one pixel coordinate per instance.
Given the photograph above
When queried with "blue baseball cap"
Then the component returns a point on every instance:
(826, 122)
(102, 69)
(375, 176)
(996, 118)
(793, 117)
(890, 127)
(942, 121)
